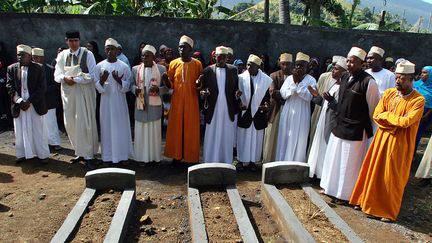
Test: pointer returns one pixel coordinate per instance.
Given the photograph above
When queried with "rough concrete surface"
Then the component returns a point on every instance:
(47, 31)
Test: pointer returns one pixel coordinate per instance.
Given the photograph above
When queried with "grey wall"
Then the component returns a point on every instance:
(47, 31)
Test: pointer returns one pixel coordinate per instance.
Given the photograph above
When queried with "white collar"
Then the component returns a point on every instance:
(76, 53)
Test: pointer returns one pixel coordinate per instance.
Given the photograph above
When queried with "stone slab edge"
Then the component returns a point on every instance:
(119, 224)
(196, 217)
(110, 178)
(247, 231)
(210, 174)
(285, 172)
(334, 218)
(74, 217)
(288, 223)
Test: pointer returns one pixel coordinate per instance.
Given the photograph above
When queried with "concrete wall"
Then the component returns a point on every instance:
(47, 31)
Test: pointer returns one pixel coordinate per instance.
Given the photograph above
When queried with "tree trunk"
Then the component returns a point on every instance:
(315, 12)
(284, 12)
(266, 10)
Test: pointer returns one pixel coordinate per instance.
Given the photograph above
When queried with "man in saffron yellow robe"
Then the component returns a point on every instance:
(386, 167)
(183, 132)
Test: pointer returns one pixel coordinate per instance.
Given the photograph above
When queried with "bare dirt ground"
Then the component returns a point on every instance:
(218, 215)
(36, 198)
(100, 213)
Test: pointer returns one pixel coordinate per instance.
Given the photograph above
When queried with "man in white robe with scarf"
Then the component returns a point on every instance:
(26, 85)
(146, 86)
(348, 142)
(326, 119)
(295, 115)
(219, 88)
(112, 82)
(75, 70)
(254, 85)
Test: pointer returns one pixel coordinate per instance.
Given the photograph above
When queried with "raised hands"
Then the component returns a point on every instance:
(314, 91)
(104, 76)
(116, 76)
(328, 96)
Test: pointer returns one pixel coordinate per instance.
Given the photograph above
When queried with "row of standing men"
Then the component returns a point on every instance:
(236, 111)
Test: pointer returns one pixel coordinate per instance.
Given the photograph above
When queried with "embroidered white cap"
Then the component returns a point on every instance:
(389, 59)
(254, 59)
(302, 57)
(336, 58)
(377, 50)
(111, 42)
(38, 52)
(149, 48)
(405, 67)
(220, 50)
(285, 57)
(342, 63)
(186, 39)
(358, 52)
(24, 48)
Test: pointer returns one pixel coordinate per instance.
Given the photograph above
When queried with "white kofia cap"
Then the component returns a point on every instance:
(358, 52)
(302, 57)
(377, 50)
(285, 57)
(220, 50)
(24, 48)
(254, 59)
(38, 52)
(149, 48)
(405, 67)
(186, 39)
(336, 58)
(342, 63)
(111, 42)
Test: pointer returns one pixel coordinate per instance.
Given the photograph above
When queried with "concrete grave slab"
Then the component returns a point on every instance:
(74, 217)
(211, 174)
(107, 178)
(196, 216)
(290, 226)
(124, 212)
(247, 231)
(285, 172)
(333, 217)
(110, 178)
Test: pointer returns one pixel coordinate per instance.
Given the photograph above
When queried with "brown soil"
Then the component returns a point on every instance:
(97, 220)
(265, 228)
(168, 218)
(219, 218)
(315, 221)
(28, 216)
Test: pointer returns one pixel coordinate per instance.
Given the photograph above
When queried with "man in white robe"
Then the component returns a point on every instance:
(219, 86)
(326, 120)
(146, 85)
(347, 145)
(112, 81)
(324, 82)
(254, 85)
(294, 120)
(52, 100)
(26, 85)
(384, 78)
(75, 70)
(276, 102)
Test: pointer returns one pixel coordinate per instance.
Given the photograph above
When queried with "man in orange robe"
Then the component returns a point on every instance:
(183, 132)
(386, 167)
